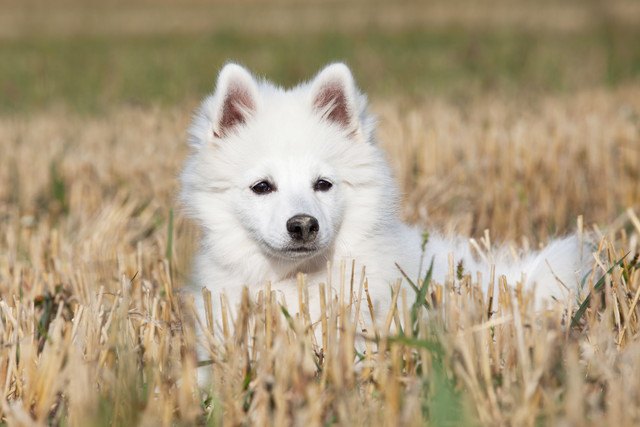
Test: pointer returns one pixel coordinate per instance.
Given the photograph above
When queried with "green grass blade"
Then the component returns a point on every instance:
(421, 296)
(169, 252)
(597, 287)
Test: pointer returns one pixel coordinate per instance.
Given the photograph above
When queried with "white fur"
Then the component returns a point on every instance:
(286, 137)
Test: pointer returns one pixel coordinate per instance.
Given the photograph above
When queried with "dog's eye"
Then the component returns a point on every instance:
(263, 187)
(322, 185)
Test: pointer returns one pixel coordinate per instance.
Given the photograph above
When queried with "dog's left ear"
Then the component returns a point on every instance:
(335, 97)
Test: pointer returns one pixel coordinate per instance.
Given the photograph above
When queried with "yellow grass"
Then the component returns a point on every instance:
(94, 328)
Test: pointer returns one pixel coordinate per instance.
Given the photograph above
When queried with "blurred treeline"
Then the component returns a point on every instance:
(88, 56)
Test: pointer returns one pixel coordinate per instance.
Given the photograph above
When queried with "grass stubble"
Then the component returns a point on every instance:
(95, 328)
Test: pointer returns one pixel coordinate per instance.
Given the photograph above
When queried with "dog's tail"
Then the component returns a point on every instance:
(555, 272)
(558, 270)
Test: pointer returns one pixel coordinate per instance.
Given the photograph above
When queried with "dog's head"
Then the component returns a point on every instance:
(279, 167)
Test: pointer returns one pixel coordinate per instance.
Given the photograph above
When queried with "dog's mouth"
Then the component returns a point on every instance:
(303, 251)
(293, 251)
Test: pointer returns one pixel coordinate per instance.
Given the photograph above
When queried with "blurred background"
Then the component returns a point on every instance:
(90, 55)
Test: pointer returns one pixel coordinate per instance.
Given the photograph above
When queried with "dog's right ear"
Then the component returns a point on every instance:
(235, 99)
(233, 103)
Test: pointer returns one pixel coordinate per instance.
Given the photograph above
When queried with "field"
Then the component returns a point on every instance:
(511, 126)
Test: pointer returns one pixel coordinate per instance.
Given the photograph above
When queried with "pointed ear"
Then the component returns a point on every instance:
(335, 97)
(234, 100)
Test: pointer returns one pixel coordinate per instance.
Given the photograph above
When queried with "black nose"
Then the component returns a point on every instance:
(303, 228)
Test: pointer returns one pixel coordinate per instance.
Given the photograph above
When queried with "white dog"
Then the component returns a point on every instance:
(284, 181)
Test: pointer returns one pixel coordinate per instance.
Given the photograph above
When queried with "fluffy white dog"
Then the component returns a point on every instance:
(284, 181)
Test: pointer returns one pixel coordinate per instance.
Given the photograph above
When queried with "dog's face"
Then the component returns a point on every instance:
(289, 197)
(292, 207)
(279, 163)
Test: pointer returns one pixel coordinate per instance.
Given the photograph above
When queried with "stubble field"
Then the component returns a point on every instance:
(96, 329)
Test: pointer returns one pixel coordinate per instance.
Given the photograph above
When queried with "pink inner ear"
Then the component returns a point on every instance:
(235, 109)
(333, 99)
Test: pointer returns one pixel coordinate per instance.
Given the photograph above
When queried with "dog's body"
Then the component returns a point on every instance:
(284, 181)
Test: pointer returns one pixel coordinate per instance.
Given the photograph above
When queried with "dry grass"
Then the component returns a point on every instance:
(93, 332)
